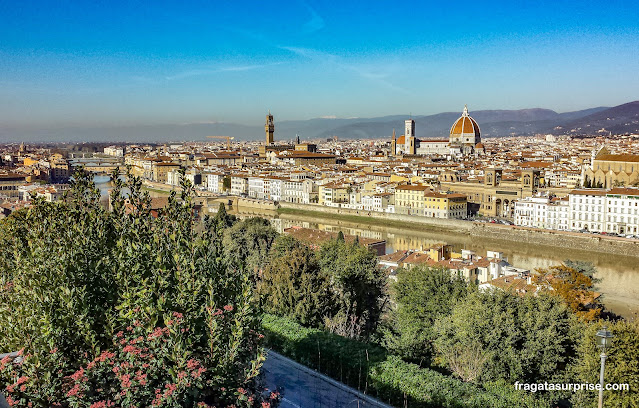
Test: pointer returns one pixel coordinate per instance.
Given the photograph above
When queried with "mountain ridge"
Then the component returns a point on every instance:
(493, 123)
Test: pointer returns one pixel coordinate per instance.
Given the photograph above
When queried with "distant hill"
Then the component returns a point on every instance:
(493, 123)
(618, 120)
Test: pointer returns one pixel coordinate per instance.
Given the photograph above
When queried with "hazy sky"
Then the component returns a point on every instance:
(141, 62)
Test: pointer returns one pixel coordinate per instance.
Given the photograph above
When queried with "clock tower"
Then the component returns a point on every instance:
(269, 128)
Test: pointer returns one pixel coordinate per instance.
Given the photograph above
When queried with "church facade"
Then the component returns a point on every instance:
(464, 139)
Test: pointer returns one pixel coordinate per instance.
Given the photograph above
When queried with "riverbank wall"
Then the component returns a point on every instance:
(451, 225)
(499, 232)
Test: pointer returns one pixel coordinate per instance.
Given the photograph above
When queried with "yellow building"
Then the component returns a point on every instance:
(410, 199)
(333, 194)
(439, 205)
(161, 170)
(60, 169)
(496, 196)
(612, 170)
(28, 162)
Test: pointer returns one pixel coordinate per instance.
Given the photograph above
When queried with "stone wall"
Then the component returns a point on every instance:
(507, 233)
(571, 240)
(255, 204)
(449, 224)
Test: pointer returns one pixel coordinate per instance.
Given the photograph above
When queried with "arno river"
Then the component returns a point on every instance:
(619, 274)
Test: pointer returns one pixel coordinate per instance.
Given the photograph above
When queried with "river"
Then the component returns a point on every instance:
(618, 275)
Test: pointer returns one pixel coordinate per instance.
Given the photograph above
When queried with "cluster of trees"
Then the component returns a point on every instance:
(123, 308)
(439, 320)
(338, 287)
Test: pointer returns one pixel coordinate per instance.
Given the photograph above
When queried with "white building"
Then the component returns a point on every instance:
(587, 210)
(114, 151)
(558, 214)
(256, 187)
(212, 182)
(622, 208)
(239, 184)
(173, 177)
(532, 212)
(274, 186)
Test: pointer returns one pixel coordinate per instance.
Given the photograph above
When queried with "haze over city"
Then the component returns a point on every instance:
(122, 64)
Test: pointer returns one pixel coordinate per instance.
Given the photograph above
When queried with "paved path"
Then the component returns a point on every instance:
(302, 387)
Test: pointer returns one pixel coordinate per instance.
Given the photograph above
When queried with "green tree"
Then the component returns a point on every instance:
(226, 183)
(293, 285)
(522, 338)
(217, 225)
(422, 295)
(622, 364)
(358, 284)
(112, 305)
(248, 242)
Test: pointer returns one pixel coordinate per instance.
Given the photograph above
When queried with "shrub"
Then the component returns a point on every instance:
(293, 285)
(422, 295)
(370, 369)
(85, 291)
(358, 284)
(522, 338)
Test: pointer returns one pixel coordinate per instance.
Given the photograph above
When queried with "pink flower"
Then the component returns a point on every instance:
(78, 375)
(102, 404)
(177, 315)
(74, 391)
(228, 308)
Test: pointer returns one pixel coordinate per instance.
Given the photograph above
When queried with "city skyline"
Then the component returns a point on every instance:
(122, 64)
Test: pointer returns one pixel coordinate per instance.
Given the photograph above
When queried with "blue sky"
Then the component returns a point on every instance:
(134, 62)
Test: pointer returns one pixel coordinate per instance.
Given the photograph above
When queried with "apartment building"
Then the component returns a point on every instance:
(409, 199)
(440, 205)
(587, 209)
(239, 184)
(622, 207)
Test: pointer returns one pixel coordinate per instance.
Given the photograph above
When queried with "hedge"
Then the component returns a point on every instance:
(372, 370)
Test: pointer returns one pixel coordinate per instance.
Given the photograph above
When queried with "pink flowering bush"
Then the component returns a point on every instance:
(124, 307)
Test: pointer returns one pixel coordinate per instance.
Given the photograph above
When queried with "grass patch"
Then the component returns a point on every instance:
(156, 190)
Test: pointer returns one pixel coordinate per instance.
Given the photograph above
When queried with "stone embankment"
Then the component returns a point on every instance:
(507, 233)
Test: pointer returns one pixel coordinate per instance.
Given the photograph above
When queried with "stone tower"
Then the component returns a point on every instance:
(269, 129)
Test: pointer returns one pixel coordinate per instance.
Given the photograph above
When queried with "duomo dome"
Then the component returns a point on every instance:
(465, 133)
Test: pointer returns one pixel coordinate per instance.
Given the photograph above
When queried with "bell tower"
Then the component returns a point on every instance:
(530, 180)
(393, 144)
(269, 128)
(492, 177)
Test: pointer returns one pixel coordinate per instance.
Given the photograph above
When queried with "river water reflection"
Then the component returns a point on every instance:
(619, 274)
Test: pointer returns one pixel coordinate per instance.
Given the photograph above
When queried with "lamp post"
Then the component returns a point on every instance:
(604, 338)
